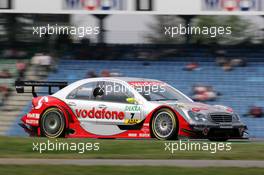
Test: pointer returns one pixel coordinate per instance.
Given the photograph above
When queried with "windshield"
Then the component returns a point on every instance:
(158, 91)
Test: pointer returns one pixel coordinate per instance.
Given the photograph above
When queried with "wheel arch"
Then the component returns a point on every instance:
(64, 111)
(153, 113)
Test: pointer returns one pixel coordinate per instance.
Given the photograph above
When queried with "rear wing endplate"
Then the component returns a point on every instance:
(20, 86)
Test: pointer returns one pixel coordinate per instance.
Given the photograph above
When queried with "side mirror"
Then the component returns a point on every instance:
(131, 100)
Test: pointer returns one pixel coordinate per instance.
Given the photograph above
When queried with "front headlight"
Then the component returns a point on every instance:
(236, 117)
(197, 116)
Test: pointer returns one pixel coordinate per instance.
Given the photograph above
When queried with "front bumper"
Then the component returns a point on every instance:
(30, 124)
(224, 130)
(32, 131)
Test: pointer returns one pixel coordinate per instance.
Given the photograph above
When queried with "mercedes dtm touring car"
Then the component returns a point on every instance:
(120, 107)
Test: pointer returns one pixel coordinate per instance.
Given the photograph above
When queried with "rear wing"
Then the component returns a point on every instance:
(20, 86)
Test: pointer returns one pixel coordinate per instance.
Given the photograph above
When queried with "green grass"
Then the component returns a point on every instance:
(98, 170)
(12, 147)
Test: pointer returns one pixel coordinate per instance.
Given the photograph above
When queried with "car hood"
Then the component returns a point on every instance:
(196, 107)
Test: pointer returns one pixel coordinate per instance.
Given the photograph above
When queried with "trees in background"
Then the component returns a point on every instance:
(243, 31)
(16, 29)
(157, 30)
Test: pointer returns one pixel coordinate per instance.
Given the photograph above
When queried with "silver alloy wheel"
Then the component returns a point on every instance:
(163, 124)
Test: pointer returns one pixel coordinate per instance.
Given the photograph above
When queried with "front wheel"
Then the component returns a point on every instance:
(164, 125)
(52, 123)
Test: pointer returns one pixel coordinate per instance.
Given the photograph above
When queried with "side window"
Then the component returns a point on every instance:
(114, 92)
(83, 92)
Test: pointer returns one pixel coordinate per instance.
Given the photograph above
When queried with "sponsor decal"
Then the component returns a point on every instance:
(29, 121)
(180, 105)
(229, 109)
(132, 108)
(144, 135)
(107, 5)
(100, 114)
(230, 5)
(33, 115)
(246, 5)
(233, 5)
(132, 121)
(40, 102)
(226, 126)
(198, 109)
(91, 5)
(145, 83)
(132, 135)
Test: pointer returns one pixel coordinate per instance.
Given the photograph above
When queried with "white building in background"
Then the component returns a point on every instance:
(133, 28)
(119, 28)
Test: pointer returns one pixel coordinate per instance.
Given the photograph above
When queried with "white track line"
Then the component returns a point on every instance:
(135, 162)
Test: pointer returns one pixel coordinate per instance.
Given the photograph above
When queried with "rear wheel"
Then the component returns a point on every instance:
(164, 125)
(52, 123)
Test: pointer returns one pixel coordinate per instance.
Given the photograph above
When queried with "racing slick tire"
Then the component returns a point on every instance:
(52, 123)
(164, 125)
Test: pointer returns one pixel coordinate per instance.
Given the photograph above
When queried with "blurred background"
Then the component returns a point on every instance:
(227, 70)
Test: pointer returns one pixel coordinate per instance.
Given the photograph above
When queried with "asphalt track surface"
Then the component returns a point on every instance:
(135, 162)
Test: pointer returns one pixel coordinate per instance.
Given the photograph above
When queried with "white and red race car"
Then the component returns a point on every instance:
(122, 107)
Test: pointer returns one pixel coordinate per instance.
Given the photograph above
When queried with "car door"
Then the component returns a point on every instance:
(81, 103)
(114, 106)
